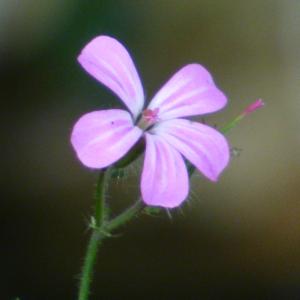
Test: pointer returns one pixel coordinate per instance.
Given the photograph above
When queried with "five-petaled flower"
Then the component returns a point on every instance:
(101, 138)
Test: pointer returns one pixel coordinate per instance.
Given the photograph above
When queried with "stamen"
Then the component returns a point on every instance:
(148, 118)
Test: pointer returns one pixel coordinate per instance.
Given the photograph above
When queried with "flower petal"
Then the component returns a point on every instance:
(109, 62)
(100, 138)
(203, 146)
(164, 178)
(191, 91)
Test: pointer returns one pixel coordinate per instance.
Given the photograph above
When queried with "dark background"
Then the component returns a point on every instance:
(237, 239)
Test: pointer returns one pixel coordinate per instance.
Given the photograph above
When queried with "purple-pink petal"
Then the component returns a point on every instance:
(108, 61)
(164, 178)
(203, 146)
(100, 138)
(191, 91)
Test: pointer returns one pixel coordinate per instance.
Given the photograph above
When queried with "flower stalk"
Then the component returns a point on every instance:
(101, 229)
(96, 237)
(88, 265)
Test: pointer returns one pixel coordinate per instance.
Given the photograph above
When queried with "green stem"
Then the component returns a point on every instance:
(88, 265)
(231, 124)
(100, 200)
(125, 216)
(95, 239)
(101, 228)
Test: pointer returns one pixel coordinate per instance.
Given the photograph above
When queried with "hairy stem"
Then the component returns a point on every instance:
(88, 265)
(101, 229)
(95, 239)
(125, 216)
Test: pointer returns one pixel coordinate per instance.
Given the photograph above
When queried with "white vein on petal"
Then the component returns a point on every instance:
(138, 89)
(109, 76)
(166, 92)
(107, 135)
(182, 98)
(127, 137)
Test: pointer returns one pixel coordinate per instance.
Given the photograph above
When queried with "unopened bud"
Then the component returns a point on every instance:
(249, 109)
(253, 106)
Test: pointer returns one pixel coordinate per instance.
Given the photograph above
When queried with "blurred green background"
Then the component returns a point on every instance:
(237, 239)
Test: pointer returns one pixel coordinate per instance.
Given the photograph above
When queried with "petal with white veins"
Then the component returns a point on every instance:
(191, 91)
(101, 138)
(164, 177)
(203, 146)
(109, 62)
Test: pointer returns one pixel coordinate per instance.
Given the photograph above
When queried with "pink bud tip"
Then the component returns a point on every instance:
(254, 106)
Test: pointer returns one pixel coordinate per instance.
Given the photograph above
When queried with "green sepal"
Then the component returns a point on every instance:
(117, 173)
(152, 210)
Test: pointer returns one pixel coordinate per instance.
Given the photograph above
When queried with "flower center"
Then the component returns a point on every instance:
(148, 118)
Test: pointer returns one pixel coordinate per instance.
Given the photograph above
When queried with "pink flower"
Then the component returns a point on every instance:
(101, 138)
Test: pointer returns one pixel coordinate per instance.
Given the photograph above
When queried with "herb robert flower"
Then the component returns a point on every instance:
(101, 138)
